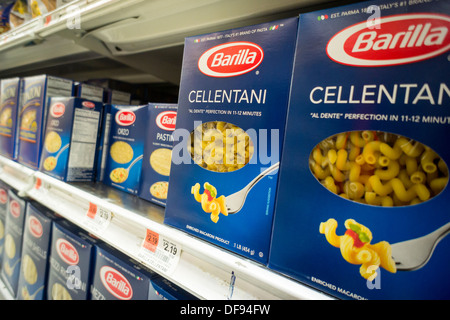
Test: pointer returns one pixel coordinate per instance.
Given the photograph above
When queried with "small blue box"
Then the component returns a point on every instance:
(12, 254)
(126, 147)
(158, 153)
(35, 95)
(72, 256)
(70, 143)
(9, 106)
(35, 252)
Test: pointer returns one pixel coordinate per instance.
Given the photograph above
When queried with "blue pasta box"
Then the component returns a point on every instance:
(363, 197)
(35, 94)
(229, 132)
(102, 151)
(3, 210)
(158, 153)
(9, 106)
(15, 220)
(72, 255)
(35, 252)
(89, 92)
(70, 143)
(119, 277)
(126, 147)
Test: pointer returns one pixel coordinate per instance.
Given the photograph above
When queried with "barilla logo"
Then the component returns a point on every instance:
(396, 40)
(231, 59)
(125, 117)
(3, 196)
(116, 283)
(57, 110)
(14, 208)
(167, 120)
(35, 227)
(67, 252)
(88, 104)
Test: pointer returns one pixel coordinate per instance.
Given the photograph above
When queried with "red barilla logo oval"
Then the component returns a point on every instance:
(167, 120)
(125, 117)
(395, 40)
(57, 110)
(88, 104)
(231, 59)
(3, 196)
(14, 208)
(116, 283)
(67, 252)
(35, 227)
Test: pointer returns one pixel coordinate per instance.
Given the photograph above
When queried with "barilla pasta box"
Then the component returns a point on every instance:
(72, 254)
(9, 105)
(32, 116)
(158, 153)
(70, 143)
(3, 210)
(15, 220)
(103, 144)
(90, 92)
(364, 173)
(126, 147)
(119, 277)
(35, 252)
(229, 132)
(164, 289)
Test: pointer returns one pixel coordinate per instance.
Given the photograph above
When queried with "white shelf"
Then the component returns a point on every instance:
(203, 269)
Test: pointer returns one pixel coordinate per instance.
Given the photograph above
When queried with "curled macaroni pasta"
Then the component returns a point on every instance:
(220, 146)
(209, 201)
(356, 249)
(378, 168)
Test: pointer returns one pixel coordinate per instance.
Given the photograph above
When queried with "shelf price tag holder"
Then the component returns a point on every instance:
(97, 218)
(159, 252)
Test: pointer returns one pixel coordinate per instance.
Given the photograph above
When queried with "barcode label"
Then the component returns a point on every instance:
(97, 219)
(159, 252)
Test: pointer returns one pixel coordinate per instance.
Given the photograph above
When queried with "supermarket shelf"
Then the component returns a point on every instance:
(203, 269)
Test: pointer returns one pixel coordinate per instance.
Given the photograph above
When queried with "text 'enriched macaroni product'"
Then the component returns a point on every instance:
(71, 138)
(365, 162)
(230, 126)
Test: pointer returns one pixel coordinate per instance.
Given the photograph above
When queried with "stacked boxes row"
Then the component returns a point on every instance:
(310, 145)
(65, 130)
(43, 256)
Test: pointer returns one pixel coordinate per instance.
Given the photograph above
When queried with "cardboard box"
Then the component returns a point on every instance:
(126, 147)
(36, 91)
(228, 88)
(72, 254)
(89, 92)
(158, 153)
(366, 74)
(70, 145)
(35, 252)
(103, 145)
(15, 219)
(119, 277)
(3, 209)
(9, 104)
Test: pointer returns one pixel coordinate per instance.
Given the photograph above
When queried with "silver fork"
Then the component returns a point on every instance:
(236, 201)
(415, 253)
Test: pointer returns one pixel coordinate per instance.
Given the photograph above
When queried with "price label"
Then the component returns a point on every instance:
(159, 252)
(38, 184)
(97, 218)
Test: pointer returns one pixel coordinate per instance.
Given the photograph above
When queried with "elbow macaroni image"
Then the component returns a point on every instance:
(210, 202)
(220, 146)
(356, 248)
(378, 168)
